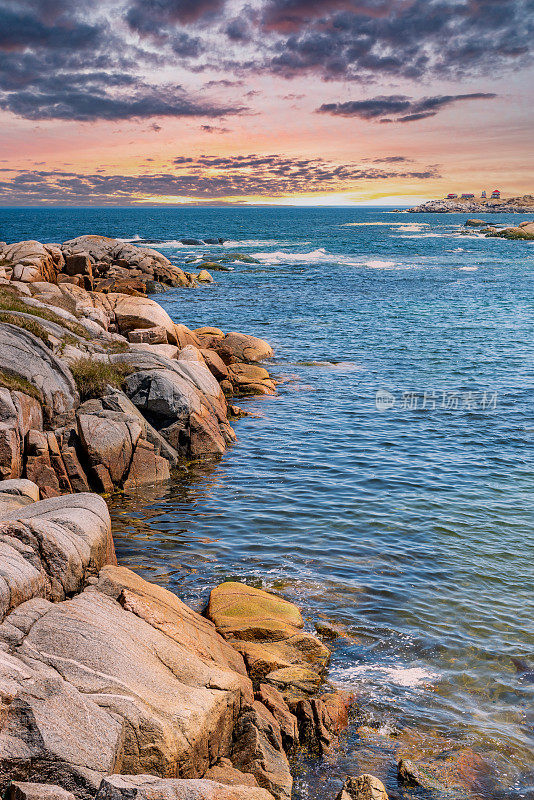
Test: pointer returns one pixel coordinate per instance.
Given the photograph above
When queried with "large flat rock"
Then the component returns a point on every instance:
(22, 790)
(51, 731)
(178, 713)
(148, 787)
(166, 612)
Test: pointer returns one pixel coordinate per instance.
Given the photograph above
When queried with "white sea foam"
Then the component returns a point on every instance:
(320, 256)
(468, 269)
(380, 264)
(230, 243)
(171, 243)
(389, 224)
(409, 677)
(426, 235)
(258, 243)
(155, 245)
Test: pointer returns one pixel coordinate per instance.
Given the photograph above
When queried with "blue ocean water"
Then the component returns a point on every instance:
(408, 526)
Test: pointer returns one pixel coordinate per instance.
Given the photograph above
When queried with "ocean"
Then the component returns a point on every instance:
(387, 487)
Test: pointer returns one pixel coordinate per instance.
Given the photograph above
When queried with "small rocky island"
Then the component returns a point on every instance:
(111, 688)
(510, 205)
(524, 231)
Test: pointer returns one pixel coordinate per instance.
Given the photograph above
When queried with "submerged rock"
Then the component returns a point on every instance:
(267, 631)
(525, 230)
(461, 770)
(213, 266)
(365, 787)
(229, 257)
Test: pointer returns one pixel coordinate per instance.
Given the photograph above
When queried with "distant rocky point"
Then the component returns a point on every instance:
(525, 230)
(509, 205)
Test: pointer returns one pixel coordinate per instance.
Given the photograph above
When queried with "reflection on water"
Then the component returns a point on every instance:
(418, 660)
(409, 530)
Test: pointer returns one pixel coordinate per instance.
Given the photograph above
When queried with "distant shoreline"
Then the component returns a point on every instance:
(508, 205)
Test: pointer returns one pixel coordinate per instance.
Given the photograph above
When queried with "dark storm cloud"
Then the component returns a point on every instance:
(291, 15)
(88, 103)
(413, 38)
(205, 179)
(238, 30)
(58, 62)
(401, 107)
(155, 16)
(43, 25)
(104, 59)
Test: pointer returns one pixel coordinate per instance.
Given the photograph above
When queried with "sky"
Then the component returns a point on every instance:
(301, 102)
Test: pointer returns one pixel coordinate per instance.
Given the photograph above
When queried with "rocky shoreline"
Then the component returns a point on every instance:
(512, 205)
(101, 390)
(110, 686)
(104, 674)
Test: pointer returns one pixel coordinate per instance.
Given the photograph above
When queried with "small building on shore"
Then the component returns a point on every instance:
(467, 196)
(483, 195)
(451, 196)
(496, 194)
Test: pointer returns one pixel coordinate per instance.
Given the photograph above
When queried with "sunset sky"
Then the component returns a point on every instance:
(263, 101)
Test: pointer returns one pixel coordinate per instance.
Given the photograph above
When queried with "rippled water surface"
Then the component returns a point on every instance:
(410, 529)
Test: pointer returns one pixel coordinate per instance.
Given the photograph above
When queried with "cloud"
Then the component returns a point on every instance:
(36, 24)
(97, 60)
(71, 101)
(392, 160)
(154, 16)
(67, 61)
(214, 129)
(357, 39)
(400, 107)
(206, 178)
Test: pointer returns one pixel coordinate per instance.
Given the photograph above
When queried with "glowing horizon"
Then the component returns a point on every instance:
(271, 102)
